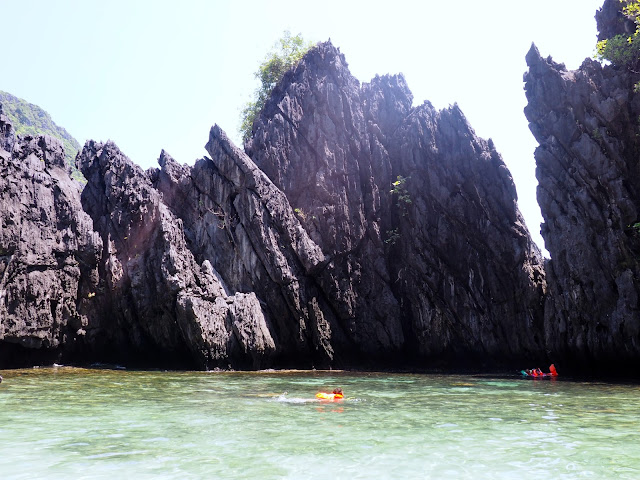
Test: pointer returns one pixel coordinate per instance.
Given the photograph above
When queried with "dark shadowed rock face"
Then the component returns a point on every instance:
(443, 266)
(48, 252)
(587, 124)
(465, 264)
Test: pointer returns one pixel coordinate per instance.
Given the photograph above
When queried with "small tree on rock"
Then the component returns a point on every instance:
(286, 53)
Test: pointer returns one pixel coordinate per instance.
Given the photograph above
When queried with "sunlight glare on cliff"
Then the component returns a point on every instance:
(157, 74)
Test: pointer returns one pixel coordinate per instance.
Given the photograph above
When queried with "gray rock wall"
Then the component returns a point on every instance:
(586, 122)
(48, 252)
(355, 230)
(442, 267)
(238, 220)
(161, 302)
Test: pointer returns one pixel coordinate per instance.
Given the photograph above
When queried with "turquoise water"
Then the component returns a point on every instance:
(64, 423)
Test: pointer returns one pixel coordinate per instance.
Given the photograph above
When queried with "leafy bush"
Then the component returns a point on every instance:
(400, 189)
(623, 50)
(285, 54)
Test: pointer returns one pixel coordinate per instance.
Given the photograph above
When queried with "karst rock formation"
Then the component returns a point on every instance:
(48, 251)
(353, 230)
(588, 125)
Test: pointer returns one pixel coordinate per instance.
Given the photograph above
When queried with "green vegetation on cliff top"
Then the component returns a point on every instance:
(29, 119)
(285, 54)
(623, 50)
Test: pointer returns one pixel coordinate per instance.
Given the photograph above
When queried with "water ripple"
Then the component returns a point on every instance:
(73, 423)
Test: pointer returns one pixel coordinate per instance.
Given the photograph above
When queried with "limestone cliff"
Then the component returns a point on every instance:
(354, 230)
(235, 218)
(48, 251)
(155, 300)
(428, 255)
(587, 124)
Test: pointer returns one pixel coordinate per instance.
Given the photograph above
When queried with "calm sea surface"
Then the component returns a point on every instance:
(65, 423)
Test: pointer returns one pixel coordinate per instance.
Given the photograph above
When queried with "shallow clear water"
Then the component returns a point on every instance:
(62, 423)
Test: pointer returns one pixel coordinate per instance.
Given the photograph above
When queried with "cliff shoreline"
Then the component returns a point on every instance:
(353, 231)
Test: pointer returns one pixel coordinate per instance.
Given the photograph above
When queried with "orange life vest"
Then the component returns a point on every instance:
(329, 396)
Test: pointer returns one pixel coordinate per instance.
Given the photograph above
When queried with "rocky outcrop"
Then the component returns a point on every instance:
(355, 230)
(156, 300)
(586, 122)
(48, 251)
(427, 254)
(29, 119)
(238, 220)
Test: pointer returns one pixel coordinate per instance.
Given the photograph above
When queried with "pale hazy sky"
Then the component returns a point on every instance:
(154, 74)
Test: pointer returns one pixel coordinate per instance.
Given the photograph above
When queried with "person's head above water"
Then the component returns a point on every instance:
(337, 391)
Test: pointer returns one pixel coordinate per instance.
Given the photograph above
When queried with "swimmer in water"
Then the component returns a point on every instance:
(335, 395)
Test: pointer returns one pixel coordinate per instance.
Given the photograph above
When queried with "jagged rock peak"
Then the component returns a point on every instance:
(390, 192)
(533, 59)
(324, 58)
(589, 193)
(45, 147)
